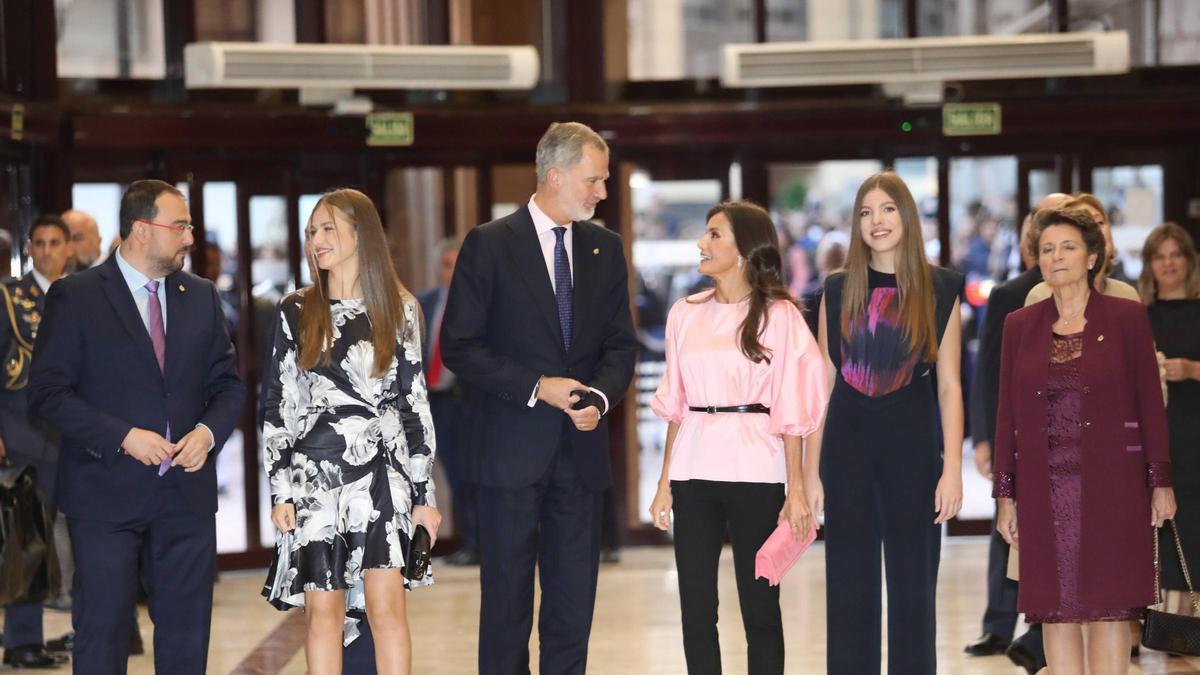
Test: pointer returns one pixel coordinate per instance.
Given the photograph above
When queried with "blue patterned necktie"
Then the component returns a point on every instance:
(562, 286)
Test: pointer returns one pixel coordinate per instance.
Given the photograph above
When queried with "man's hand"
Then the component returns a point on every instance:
(147, 447)
(983, 459)
(192, 450)
(586, 419)
(1178, 370)
(556, 391)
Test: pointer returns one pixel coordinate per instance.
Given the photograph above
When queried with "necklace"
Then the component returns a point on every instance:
(1066, 320)
(734, 302)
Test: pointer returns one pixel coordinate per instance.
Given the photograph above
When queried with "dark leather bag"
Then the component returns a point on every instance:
(29, 569)
(1166, 632)
(416, 559)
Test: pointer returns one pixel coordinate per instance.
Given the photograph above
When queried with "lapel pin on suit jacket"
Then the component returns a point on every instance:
(595, 251)
(1100, 338)
(181, 288)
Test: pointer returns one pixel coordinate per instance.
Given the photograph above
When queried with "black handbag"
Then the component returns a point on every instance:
(1166, 632)
(416, 560)
(29, 569)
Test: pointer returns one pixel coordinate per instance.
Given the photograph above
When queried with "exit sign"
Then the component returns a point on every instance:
(971, 119)
(390, 128)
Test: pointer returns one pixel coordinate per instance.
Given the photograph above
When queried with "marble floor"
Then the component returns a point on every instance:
(636, 624)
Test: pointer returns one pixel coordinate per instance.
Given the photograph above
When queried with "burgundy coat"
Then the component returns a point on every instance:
(1124, 441)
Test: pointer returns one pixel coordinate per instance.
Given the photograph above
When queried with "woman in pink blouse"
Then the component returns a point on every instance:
(744, 385)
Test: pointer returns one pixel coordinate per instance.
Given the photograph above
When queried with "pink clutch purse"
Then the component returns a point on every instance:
(780, 551)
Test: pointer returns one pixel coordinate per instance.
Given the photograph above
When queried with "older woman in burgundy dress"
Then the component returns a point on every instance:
(1081, 453)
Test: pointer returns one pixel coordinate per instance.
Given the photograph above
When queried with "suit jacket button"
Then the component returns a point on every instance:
(1038, 393)
(1087, 425)
(1087, 390)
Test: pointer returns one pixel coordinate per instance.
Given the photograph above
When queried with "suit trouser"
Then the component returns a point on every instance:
(449, 415)
(703, 509)
(555, 525)
(880, 466)
(1000, 617)
(23, 621)
(179, 550)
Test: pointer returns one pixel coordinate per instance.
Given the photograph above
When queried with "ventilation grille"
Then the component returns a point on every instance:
(925, 59)
(254, 65)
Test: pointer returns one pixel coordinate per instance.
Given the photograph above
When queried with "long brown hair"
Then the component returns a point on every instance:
(913, 276)
(1147, 284)
(383, 294)
(758, 242)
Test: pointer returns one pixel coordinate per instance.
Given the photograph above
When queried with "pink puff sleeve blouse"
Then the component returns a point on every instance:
(706, 367)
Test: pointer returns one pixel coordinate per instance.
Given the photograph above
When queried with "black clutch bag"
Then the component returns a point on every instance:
(1166, 632)
(416, 561)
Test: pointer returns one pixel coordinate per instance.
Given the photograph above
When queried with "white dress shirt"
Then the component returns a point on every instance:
(544, 226)
(141, 297)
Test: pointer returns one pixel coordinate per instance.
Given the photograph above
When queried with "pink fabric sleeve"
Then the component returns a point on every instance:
(799, 387)
(670, 400)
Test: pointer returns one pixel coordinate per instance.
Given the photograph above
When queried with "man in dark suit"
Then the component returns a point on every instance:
(448, 403)
(134, 366)
(24, 438)
(538, 320)
(1000, 617)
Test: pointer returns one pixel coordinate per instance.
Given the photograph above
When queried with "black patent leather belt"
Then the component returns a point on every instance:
(714, 409)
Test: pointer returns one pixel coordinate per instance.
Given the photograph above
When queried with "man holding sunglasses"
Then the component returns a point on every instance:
(134, 365)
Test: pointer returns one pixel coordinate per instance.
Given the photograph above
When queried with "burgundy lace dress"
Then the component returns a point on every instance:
(1066, 485)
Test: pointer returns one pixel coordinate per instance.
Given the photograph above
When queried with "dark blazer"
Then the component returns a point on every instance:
(1124, 437)
(95, 377)
(1005, 299)
(430, 299)
(501, 332)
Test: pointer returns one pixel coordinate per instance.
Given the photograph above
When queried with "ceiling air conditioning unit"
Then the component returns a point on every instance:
(917, 61)
(336, 67)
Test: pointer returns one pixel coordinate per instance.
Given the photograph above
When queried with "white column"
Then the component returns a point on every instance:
(656, 45)
(842, 19)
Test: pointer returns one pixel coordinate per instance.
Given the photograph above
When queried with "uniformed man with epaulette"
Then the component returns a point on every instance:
(22, 438)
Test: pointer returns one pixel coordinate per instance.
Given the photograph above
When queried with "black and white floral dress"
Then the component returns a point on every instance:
(353, 452)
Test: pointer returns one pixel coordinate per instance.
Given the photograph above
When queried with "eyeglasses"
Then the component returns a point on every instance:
(179, 229)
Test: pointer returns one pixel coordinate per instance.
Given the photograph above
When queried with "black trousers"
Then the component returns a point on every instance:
(449, 416)
(1000, 617)
(23, 621)
(880, 465)
(179, 549)
(703, 510)
(553, 525)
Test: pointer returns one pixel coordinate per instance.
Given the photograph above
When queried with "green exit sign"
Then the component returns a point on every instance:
(390, 128)
(971, 119)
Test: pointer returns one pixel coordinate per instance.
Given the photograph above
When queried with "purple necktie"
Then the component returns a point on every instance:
(158, 337)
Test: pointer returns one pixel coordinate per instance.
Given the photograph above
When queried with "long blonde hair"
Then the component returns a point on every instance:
(1147, 285)
(383, 294)
(914, 279)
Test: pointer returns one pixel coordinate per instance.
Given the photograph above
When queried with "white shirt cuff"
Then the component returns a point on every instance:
(212, 443)
(602, 397)
(533, 396)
